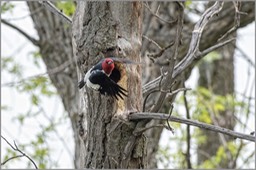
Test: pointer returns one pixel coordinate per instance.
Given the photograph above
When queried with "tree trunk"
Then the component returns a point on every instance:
(97, 27)
(218, 76)
(56, 49)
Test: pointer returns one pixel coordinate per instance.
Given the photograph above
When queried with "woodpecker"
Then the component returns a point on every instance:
(104, 77)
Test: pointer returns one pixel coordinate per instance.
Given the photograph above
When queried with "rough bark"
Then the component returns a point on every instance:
(98, 27)
(56, 48)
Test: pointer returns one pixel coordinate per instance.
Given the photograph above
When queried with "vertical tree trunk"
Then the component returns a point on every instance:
(56, 49)
(100, 26)
(218, 76)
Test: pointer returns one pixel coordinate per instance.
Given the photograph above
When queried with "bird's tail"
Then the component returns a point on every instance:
(81, 84)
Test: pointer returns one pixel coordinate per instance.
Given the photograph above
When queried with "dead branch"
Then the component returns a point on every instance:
(154, 83)
(56, 11)
(15, 147)
(237, 20)
(152, 41)
(194, 45)
(169, 80)
(162, 116)
(157, 16)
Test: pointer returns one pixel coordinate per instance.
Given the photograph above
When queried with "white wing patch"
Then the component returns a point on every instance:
(91, 85)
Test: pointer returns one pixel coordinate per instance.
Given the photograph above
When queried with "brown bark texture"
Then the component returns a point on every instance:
(109, 142)
(56, 49)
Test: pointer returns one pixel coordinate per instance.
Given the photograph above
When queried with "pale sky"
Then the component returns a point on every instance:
(14, 44)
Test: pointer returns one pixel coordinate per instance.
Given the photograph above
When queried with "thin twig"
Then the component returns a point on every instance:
(157, 16)
(17, 149)
(167, 120)
(162, 116)
(247, 159)
(244, 55)
(14, 157)
(50, 72)
(152, 41)
(159, 54)
(56, 11)
(188, 156)
(237, 20)
(33, 40)
(159, 89)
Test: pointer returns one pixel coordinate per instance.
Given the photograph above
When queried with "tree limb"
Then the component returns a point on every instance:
(169, 80)
(56, 11)
(33, 40)
(154, 83)
(194, 44)
(162, 116)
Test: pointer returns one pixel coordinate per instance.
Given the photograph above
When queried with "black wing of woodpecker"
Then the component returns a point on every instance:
(105, 85)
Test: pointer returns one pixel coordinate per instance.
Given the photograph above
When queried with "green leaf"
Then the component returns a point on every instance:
(188, 3)
(219, 107)
(6, 6)
(212, 56)
(5, 61)
(34, 99)
(21, 118)
(68, 7)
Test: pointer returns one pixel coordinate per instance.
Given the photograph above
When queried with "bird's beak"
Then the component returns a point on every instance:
(110, 62)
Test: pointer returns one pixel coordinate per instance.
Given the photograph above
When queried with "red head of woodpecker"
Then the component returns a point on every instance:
(104, 77)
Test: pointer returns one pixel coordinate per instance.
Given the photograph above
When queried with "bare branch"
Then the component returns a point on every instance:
(14, 157)
(169, 80)
(157, 16)
(52, 71)
(17, 149)
(152, 41)
(194, 45)
(244, 55)
(153, 84)
(247, 159)
(168, 123)
(159, 54)
(212, 48)
(56, 11)
(162, 116)
(237, 20)
(33, 40)
(196, 35)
